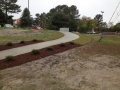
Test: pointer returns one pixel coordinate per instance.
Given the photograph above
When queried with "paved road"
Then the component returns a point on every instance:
(68, 36)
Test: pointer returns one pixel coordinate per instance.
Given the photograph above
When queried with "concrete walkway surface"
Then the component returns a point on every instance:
(68, 36)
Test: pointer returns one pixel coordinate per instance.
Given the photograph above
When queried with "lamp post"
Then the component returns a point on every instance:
(102, 14)
(28, 16)
(28, 4)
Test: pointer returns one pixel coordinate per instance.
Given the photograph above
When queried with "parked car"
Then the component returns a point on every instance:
(36, 27)
(8, 26)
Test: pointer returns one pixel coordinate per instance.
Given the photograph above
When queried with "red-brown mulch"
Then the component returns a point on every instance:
(5, 47)
(28, 57)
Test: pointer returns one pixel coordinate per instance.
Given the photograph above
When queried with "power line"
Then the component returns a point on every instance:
(116, 16)
(117, 21)
(114, 11)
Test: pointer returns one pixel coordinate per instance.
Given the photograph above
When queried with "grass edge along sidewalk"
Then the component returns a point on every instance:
(47, 35)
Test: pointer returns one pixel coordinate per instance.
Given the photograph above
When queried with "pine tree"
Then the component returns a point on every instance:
(9, 6)
(25, 18)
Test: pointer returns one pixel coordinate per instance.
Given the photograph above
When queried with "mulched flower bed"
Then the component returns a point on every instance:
(28, 57)
(5, 47)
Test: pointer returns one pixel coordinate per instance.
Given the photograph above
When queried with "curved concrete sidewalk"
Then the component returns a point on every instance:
(68, 36)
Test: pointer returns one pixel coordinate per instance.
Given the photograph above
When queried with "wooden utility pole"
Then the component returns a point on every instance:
(28, 16)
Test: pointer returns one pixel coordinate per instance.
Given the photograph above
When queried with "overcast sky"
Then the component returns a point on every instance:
(87, 8)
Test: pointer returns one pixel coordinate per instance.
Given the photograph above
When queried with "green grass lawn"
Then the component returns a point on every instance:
(115, 40)
(86, 38)
(83, 39)
(109, 45)
(108, 39)
(46, 35)
(51, 35)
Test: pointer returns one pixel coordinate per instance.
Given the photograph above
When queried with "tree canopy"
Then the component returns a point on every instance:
(63, 16)
(99, 19)
(9, 6)
(60, 20)
(2, 18)
(86, 24)
(115, 28)
(26, 18)
(37, 19)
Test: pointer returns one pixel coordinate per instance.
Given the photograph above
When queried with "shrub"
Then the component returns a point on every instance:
(50, 48)
(22, 42)
(72, 43)
(34, 40)
(9, 58)
(62, 45)
(35, 51)
(9, 44)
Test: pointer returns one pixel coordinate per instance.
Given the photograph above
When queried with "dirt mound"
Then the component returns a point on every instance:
(8, 32)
